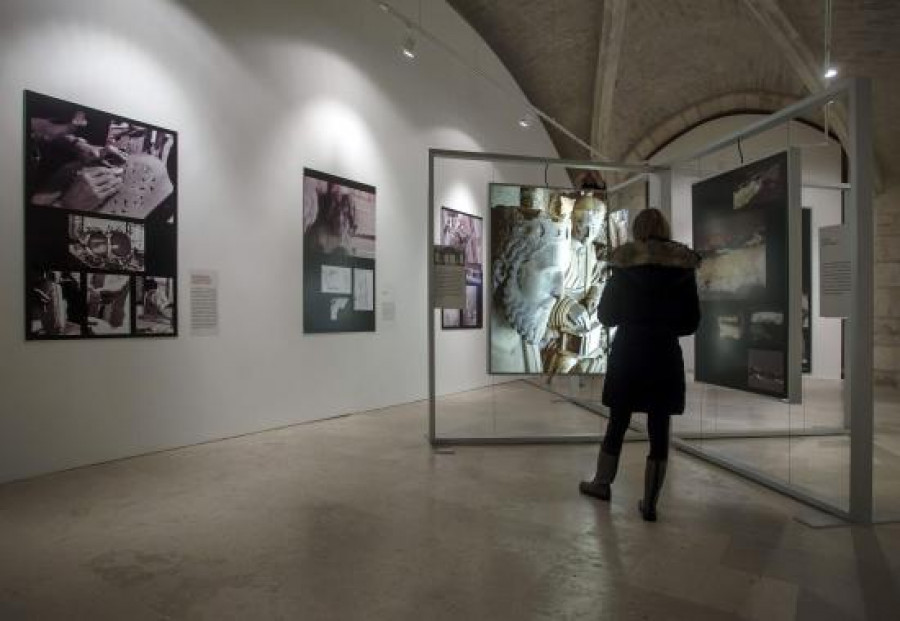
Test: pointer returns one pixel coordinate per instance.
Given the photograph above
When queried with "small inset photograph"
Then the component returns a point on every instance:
(472, 312)
(363, 290)
(731, 327)
(154, 307)
(767, 327)
(108, 304)
(56, 304)
(338, 216)
(734, 255)
(452, 318)
(86, 160)
(759, 184)
(765, 370)
(338, 309)
(337, 280)
(105, 244)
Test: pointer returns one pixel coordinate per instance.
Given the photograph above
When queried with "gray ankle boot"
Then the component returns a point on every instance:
(599, 487)
(654, 475)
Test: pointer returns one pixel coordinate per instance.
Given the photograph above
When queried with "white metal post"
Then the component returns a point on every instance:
(795, 277)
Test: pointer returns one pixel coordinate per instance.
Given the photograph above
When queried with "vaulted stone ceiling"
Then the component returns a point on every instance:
(672, 63)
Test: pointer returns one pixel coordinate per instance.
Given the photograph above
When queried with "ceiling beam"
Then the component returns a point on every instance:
(797, 53)
(612, 35)
(803, 61)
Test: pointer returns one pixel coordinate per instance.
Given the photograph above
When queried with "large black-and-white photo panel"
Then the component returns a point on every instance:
(338, 254)
(740, 228)
(465, 231)
(101, 207)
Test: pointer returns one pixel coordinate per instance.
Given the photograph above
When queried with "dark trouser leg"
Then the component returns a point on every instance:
(615, 432)
(608, 459)
(655, 473)
(658, 430)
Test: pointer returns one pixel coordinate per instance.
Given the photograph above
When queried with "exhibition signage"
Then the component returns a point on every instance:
(204, 303)
(449, 265)
(834, 271)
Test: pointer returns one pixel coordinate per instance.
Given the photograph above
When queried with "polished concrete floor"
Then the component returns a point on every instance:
(817, 465)
(357, 518)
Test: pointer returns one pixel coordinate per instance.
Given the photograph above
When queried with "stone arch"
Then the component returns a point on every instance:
(750, 102)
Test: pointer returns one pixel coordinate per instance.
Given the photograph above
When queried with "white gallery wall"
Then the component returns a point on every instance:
(256, 93)
(821, 164)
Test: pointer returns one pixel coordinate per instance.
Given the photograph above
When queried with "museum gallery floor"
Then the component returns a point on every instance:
(357, 518)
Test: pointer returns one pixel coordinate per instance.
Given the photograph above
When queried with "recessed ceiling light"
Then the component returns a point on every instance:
(409, 46)
(831, 72)
(525, 122)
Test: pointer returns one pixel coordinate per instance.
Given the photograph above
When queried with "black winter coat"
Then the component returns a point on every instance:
(651, 298)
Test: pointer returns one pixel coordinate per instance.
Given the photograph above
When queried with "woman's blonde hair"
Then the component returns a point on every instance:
(651, 224)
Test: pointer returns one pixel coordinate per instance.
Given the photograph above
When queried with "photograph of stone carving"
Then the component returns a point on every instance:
(100, 194)
(740, 224)
(547, 274)
(338, 254)
(579, 342)
(100, 243)
(465, 231)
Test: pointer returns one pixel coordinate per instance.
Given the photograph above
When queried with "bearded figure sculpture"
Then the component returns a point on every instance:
(579, 340)
(531, 255)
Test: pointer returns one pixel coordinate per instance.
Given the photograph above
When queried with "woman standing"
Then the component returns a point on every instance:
(651, 298)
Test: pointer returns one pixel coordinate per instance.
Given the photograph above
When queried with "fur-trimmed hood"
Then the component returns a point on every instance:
(665, 253)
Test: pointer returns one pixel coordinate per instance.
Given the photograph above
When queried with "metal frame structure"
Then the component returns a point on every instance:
(860, 343)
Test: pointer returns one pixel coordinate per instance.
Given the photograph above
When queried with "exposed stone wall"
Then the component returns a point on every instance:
(887, 286)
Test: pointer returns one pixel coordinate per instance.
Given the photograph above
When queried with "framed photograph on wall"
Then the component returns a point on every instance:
(466, 232)
(740, 228)
(101, 223)
(338, 254)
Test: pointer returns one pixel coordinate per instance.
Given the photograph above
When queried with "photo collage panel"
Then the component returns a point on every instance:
(338, 254)
(100, 223)
(740, 221)
(466, 232)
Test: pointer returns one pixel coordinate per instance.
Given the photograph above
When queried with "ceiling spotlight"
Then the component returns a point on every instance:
(831, 72)
(409, 45)
(525, 122)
